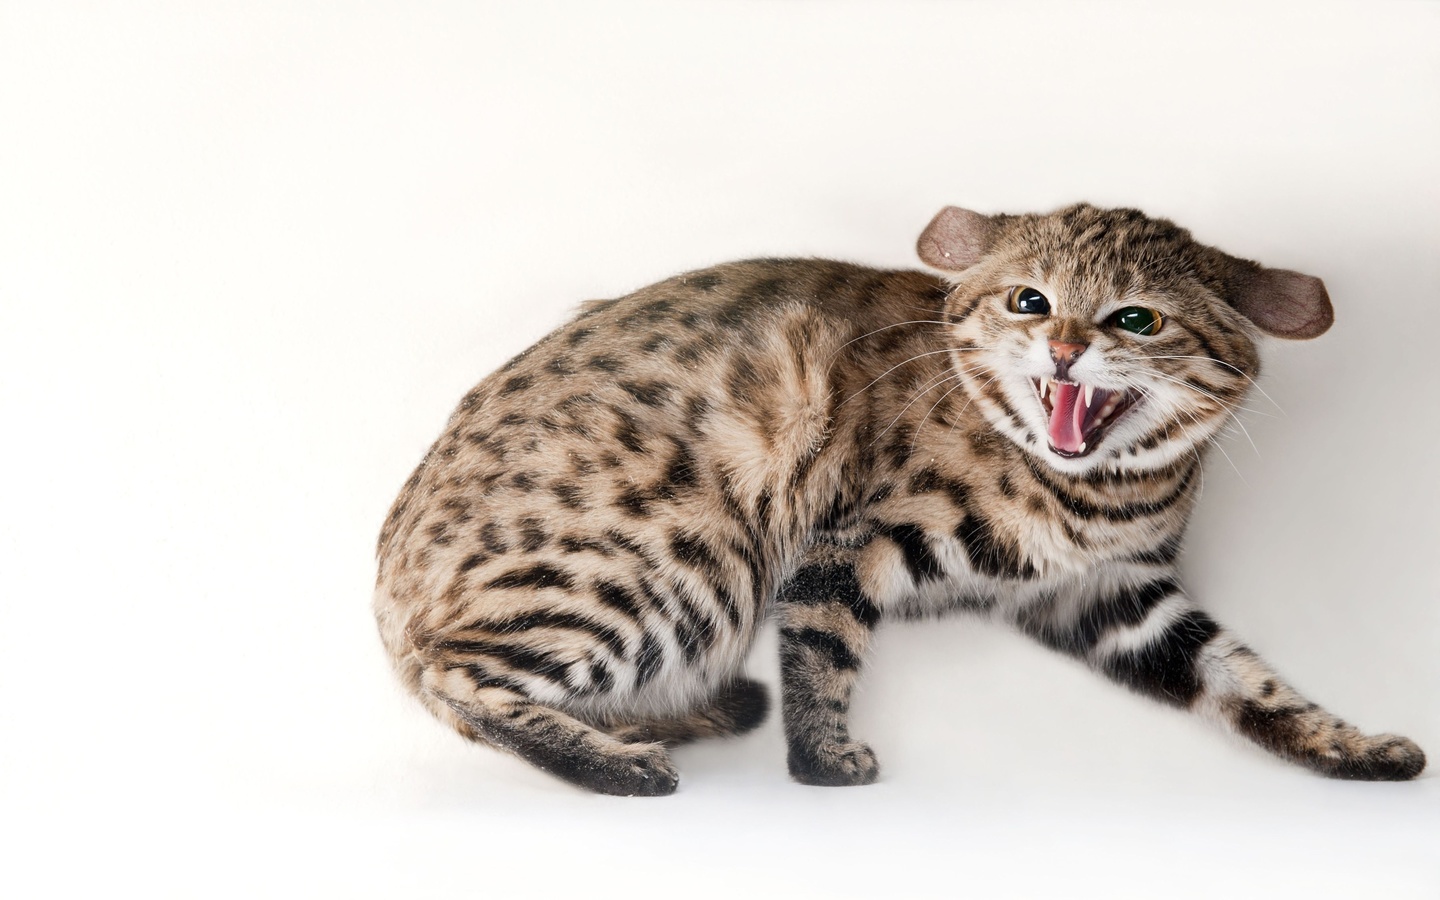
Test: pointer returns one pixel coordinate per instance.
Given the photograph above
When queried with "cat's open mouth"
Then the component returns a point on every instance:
(1079, 413)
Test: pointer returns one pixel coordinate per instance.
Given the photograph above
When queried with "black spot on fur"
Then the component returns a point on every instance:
(569, 495)
(605, 363)
(540, 575)
(742, 379)
(705, 282)
(680, 474)
(650, 393)
(649, 660)
(616, 597)
(533, 535)
(651, 313)
(627, 431)
(696, 409)
(517, 383)
(694, 552)
(491, 537)
(1007, 487)
(690, 353)
(440, 534)
(572, 544)
(472, 561)
(741, 312)
(635, 502)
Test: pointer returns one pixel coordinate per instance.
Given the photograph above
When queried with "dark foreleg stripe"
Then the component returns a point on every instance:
(988, 554)
(910, 538)
(822, 583)
(1124, 610)
(824, 643)
(1165, 668)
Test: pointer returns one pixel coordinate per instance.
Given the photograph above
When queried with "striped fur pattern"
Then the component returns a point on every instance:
(578, 567)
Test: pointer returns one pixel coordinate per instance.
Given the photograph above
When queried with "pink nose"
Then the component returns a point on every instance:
(1065, 354)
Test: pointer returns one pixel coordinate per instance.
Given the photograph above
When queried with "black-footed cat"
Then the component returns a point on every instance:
(578, 567)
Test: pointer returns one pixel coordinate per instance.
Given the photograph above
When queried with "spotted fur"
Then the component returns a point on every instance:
(578, 567)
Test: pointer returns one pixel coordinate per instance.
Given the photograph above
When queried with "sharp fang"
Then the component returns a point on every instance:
(1089, 394)
(1044, 388)
(1082, 447)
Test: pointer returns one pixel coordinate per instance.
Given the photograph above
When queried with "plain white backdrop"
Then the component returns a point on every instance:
(251, 255)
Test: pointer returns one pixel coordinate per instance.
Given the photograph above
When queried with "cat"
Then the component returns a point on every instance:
(576, 570)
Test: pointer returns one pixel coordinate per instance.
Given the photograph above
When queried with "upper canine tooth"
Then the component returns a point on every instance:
(1089, 394)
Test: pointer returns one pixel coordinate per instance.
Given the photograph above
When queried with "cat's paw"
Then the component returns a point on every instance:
(641, 770)
(1384, 757)
(834, 764)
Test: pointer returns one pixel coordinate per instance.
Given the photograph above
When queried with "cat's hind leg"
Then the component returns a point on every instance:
(739, 706)
(550, 739)
(825, 624)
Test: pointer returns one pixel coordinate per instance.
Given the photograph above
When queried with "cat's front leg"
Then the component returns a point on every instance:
(825, 624)
(1154, 640)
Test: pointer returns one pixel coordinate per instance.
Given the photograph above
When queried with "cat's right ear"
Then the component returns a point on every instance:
(956, 239)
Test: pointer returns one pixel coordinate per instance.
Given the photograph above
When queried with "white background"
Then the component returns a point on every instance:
(251, 255)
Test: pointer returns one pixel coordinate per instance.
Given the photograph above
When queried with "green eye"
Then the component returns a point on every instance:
(1028, 300)
(1139, 320)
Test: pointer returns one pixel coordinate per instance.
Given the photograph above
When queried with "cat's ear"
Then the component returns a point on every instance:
(956, 239)
(1284, 304)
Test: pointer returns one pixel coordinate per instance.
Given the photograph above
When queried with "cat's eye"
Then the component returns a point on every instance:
(1139, 320)
(1028, 300)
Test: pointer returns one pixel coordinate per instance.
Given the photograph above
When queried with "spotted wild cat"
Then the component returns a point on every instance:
(578, 567)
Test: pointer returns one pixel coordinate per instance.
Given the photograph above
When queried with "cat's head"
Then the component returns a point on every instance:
(1103, 338)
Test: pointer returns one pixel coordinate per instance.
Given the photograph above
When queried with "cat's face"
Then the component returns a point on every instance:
(1103, 339)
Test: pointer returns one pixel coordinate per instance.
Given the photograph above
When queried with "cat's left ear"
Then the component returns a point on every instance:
(956, 239)
(1285, 304)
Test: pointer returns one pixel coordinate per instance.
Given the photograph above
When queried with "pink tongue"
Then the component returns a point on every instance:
(1067, 418)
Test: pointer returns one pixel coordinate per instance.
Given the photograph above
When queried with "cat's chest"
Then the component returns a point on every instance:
(978, 522)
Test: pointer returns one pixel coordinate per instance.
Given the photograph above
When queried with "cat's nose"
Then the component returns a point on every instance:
(1065, 353)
